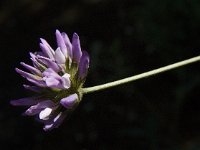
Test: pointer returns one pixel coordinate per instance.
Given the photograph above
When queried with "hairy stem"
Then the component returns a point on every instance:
(139, 76)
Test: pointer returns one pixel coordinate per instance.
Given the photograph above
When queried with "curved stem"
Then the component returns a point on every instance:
(140, 76)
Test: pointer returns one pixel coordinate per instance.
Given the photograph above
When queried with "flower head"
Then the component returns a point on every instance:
(56, 77)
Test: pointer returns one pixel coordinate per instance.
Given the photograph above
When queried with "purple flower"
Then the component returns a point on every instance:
(56, 76)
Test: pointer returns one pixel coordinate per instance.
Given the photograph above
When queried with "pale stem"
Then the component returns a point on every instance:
(139, 76)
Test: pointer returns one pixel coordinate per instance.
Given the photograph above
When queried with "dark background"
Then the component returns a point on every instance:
(123, 38)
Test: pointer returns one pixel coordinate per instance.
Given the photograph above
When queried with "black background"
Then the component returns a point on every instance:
(123, 38)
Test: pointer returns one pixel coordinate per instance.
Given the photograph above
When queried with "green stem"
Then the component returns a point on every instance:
(140, 76)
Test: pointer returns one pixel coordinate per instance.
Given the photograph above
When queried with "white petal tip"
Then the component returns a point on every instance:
(44, 114)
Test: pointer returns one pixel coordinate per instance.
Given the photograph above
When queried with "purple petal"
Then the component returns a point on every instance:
(33, 56)
(32, 88)
(36, 109)
(31, 69)
(83, 65)
(50, 73)
(67, 43)
(46, 51)
(76, 48)
(55, 122)
(48, 127)
(36, 64)
(59, 119)
(28, 101)
(52, 82)
(35, 61)
(59, 57)
(49, 63)
(37, 82)
(61, 42)
(45, 104)
(47, 45)
(26, 74)
(31, 111)
(65, 81)
(70, 101)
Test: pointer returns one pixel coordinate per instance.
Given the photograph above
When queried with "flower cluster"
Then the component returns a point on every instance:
(56, 77)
